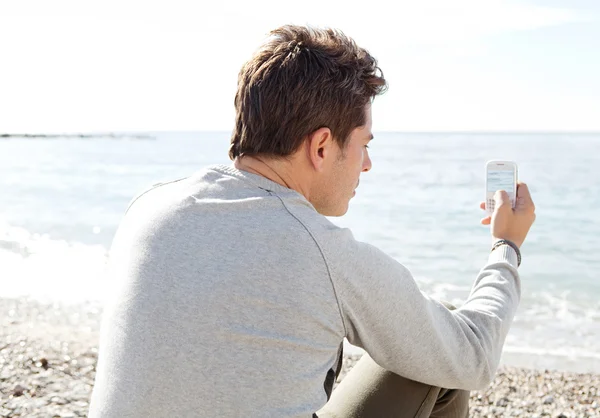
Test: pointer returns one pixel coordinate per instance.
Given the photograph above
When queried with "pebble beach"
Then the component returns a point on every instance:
(48, 354)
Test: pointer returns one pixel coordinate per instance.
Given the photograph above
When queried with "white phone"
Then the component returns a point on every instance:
(500, 175)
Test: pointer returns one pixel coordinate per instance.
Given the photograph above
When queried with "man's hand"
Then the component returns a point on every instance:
(508, 223)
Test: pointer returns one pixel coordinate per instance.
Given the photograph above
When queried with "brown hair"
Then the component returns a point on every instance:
(300, 80)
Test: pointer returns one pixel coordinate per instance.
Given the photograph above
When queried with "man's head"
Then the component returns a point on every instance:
(304, 98)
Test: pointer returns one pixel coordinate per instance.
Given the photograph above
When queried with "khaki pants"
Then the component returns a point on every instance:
(371, 391)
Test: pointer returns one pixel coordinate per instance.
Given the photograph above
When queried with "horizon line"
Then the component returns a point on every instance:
(466, 131)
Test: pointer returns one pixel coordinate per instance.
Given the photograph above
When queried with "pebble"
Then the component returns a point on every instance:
(503, 402)
(18, 390)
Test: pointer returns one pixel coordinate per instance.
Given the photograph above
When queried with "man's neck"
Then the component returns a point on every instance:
(276, 171)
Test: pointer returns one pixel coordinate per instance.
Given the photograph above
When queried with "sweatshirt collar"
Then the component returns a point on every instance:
(256, 179)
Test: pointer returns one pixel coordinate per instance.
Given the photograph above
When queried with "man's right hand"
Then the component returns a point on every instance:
(508, 223)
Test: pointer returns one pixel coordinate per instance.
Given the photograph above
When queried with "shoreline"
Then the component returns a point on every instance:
(48, 353)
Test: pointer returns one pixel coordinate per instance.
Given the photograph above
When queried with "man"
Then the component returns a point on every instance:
(235, 292)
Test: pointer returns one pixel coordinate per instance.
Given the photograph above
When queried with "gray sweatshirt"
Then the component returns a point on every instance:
(233, 297)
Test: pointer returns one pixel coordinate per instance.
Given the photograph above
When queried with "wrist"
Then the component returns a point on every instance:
(515, 242)
(504, 242)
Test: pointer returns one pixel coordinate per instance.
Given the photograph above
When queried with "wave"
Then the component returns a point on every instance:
(35, 265)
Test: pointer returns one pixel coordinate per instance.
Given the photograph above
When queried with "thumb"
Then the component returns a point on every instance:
(501, 198)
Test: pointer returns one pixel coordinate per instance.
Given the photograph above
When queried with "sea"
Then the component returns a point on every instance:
(62, 198)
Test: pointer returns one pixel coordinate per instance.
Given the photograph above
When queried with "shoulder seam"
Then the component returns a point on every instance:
(322, 255)
(154, 186)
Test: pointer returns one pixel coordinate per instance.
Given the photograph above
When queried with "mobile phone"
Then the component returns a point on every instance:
(500, 175)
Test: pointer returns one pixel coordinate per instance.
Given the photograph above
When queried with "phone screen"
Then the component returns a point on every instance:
(501, 180)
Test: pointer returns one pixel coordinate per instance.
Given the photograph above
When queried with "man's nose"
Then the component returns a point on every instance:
(367, 163)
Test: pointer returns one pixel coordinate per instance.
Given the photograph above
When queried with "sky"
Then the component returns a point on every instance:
(461, 65)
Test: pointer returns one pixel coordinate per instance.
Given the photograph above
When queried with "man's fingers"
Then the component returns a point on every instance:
(488, 219)
(523, 196)
(523, 191)
(501, 198)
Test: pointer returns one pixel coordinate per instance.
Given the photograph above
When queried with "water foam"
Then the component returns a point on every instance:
(37, 266)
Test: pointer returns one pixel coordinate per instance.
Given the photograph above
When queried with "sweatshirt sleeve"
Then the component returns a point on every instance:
(417, 337)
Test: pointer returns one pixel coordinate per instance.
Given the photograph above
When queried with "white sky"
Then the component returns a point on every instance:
(73, 66)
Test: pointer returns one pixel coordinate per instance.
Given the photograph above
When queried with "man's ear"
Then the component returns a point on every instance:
(320, 148)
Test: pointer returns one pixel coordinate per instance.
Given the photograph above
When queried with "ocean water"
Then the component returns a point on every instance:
(61, 201)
